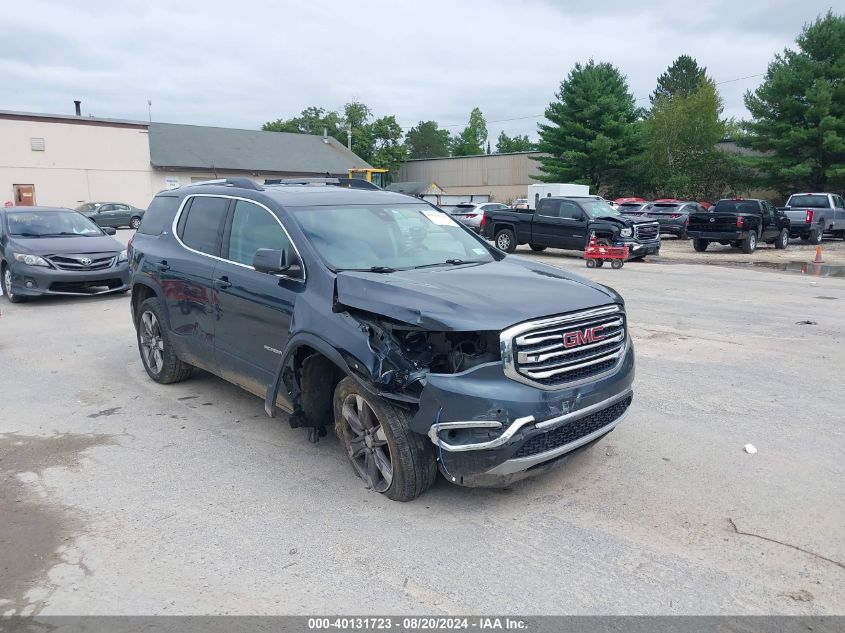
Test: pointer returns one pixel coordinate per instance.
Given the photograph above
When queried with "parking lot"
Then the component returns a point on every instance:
(121, 495)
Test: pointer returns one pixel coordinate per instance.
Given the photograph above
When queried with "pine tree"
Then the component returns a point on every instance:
(427, 140)
(591, 136)
(683, 77)
(798, 113)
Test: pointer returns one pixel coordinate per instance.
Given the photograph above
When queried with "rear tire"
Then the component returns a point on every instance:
(749, 244)
(700, 245)
(591, 263)
(505, 241)
(385, 453)
(154, 345)
(782, 240)
(815, 236)
(616, 264)
(537, 249)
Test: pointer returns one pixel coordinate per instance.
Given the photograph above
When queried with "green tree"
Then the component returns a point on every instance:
(683, 78)
(312, 120)
(427, 140)
(470, 142)
(798, 112)
(518, 143)
(681, 135)
(591, 137)
(388, 149)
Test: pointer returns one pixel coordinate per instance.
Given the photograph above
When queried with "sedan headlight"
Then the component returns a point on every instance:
(124, 256)
(31, 260)
(626, 232)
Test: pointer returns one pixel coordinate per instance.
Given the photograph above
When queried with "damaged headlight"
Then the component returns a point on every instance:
(626, 232)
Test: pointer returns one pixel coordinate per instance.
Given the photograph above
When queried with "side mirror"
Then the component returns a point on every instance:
(108, 230)
(273, 262)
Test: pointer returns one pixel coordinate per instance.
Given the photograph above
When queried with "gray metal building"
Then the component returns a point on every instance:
(504, 177)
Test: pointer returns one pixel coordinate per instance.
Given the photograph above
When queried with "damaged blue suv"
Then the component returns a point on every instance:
(360, 309)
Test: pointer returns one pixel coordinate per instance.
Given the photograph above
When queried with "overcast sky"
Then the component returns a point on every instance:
(239, 64)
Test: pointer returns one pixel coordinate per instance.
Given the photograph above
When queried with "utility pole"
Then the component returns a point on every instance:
(349, 136)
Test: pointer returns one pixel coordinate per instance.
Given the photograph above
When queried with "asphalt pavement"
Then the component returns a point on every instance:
(122, 496)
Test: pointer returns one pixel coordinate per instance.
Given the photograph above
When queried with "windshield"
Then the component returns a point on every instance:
(599, 209)
(814, 202)
(50, 224)
(385, 238)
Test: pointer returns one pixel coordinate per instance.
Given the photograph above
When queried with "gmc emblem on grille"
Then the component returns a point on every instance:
(582, 337)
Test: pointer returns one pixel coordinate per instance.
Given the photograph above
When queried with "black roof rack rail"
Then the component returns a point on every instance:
(301, 181)
(243, 183)
(351, 183)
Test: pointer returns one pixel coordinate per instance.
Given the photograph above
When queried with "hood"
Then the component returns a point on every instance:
(62, 245)
(623, 220)
(488, 296)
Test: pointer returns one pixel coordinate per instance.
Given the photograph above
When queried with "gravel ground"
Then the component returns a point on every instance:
(833, 252)
(122, 496)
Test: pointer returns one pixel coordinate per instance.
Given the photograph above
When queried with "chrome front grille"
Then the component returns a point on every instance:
(75, 262)
(646, 231)
(555, 352)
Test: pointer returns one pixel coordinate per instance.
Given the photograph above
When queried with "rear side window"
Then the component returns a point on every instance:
(159, 215)
(202, 229)
(549, 208)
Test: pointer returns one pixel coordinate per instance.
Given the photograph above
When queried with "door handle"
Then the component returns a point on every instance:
(221, 283)
(163, 267)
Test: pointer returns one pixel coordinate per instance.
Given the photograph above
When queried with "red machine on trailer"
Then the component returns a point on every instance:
(596, 254)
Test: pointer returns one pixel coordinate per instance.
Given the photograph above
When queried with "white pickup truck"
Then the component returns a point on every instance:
(813, 214)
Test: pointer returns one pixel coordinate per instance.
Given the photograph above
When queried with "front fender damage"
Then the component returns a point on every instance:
(389, 358)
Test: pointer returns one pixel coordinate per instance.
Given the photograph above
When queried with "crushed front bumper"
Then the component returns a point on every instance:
(489, 430)
(641, 249)
(35, 281)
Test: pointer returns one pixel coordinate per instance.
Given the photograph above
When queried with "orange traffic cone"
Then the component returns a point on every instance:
(818, 259)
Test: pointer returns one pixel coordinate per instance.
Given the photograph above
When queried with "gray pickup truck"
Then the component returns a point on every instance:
(813, 214)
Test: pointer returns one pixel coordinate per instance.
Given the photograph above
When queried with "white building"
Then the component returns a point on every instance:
(60, 160)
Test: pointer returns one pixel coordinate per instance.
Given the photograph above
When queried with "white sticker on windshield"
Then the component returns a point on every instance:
(439, 218)
(479, 251)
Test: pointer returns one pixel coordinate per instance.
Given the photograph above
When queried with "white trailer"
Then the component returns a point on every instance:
(546, 190)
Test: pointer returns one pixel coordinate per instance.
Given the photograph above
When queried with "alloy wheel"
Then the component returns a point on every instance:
(503, 242)
(152, 342)
(366, 443)
(7, 283)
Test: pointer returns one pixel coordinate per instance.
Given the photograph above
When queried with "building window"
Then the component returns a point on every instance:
(36, 144)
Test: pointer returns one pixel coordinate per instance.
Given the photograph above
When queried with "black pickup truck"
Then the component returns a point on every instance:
(740, 222)
(567, 223)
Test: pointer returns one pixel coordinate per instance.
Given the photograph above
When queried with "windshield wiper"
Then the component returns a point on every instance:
(27, 235)
(371, 269)
(63, 234)
(453, 262)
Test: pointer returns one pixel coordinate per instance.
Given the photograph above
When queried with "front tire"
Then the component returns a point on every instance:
(134, 223)
(157, 355)
(700, 245)
(783, 239)
(749, 244)
(506, 241)
(6, 281)
(385, 453)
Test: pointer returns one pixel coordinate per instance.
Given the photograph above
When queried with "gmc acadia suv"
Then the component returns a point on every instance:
(361, 309)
